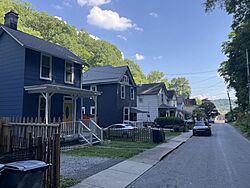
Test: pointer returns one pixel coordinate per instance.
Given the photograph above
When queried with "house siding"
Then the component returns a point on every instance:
(12, 58)
(32, 77)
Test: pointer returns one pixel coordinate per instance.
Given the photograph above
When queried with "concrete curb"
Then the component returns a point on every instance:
(123, 174)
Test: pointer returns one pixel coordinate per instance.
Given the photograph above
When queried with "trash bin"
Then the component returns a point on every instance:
(23, 174)
(156, 135)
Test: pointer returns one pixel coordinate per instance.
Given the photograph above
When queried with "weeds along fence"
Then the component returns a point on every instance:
(28, 138)
(138, 135)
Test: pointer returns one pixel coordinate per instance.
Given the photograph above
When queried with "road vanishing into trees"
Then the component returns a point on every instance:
(219, 161)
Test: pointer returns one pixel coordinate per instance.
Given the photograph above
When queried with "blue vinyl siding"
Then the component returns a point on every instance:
(12, 59)
(109, 103)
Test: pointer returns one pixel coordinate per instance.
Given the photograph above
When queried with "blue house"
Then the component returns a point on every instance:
(38, 78)
(117, 102)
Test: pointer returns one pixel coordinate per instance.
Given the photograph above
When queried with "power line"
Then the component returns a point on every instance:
(192, 73)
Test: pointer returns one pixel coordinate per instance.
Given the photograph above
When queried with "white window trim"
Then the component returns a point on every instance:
(83, 110)
(124, 113)
(123, 97)
(132, 93)
(72, 75)
(50, 72)
(93, 86)
(91, 108)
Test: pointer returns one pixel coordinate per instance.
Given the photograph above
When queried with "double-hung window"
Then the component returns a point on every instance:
(132, 93)
(69, 73)
(46, 67)
(123, 92)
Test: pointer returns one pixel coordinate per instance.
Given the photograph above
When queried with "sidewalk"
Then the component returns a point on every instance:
(124, 173)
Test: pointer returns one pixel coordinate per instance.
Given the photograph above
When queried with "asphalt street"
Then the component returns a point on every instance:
(219, 161)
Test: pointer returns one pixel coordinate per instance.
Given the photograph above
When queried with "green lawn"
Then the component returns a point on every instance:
(171, 134)
(68, 182)
(116, 149)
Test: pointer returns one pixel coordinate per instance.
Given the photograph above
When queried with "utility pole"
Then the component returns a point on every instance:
(248, 85)
(231, 110)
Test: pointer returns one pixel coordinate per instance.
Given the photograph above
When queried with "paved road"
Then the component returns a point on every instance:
(219, 161)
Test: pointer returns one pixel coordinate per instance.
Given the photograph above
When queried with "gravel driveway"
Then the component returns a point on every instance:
(83, 167)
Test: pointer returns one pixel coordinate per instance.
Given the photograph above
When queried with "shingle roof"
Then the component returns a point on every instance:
(190, 102)
(150, 89)
(105, 74)
(180, 99)
(171, 93)
(32, 42)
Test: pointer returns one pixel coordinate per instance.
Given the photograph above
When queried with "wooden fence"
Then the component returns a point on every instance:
(27, 138)
(140, 135)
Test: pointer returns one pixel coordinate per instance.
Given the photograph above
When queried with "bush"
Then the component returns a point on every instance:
(169, 122)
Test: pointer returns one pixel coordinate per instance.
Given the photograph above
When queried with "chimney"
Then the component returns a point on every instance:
(11, 19)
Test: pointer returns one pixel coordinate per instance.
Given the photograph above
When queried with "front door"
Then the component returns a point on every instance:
(68, 109)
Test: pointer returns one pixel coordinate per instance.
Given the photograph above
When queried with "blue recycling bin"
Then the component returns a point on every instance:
(23, 174)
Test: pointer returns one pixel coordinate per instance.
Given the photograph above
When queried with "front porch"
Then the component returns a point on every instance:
(167, 111)
(57, 101)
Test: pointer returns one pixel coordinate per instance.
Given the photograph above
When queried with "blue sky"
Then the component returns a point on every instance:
(173, 36)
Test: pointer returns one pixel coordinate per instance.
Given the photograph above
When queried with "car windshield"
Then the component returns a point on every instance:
(200, 124)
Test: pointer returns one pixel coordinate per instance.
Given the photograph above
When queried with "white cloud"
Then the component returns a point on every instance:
(139, 57)
(58, 7)
(60, 18)
(94, 37)
(108, 19)
(153, 14)
(92, 2)
(138, 28)
(122, 37)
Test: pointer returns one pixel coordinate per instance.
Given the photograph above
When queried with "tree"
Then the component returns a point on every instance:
(181, 85)
(209, 109)
(156, 77)
(198, 101)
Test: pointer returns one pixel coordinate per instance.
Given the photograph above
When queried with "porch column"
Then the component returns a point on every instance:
(47, 108)
(95, 100)
(74, 120)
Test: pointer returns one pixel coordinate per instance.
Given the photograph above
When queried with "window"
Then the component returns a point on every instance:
(126, 114)
(123, 92)
(92, 110)
(93, 88)
(69, 73)
(162, 98)
(83, 111)
(132, 93)
(125, 79)
(45, 67)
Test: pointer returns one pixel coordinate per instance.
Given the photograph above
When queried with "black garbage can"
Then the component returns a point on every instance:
(156, 135)
(23, 174)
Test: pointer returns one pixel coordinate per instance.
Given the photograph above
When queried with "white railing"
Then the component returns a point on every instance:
(96, 130)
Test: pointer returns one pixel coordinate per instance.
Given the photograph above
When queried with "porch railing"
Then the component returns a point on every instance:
(96, 130)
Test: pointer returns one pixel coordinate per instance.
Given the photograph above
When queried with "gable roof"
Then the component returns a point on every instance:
(190, 102)
(32, 42)
(151, 89)
(106, 74)
(171, 93)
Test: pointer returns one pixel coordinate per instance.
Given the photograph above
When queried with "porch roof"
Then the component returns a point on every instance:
(164, 106)
(136, 110)
(59, 89)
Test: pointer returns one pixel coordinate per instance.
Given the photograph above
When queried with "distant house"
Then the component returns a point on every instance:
(38, 78)
(157, 100)
(117, 102)
(181, 106)
(190, 105)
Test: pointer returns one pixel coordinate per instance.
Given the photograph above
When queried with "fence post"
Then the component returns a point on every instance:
(39, 148)
(56, 165)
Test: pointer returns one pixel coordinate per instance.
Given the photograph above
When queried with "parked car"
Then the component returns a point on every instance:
(119, 130)
(201, 128)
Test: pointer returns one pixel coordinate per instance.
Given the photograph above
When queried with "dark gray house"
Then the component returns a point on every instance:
(38, 78)
(117, 102)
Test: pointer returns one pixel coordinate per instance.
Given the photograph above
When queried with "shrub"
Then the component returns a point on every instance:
(169, 122)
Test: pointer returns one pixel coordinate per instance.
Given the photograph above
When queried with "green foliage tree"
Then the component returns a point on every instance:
(234, 70)
(208, 109)
(198, 101)
(181, 85)
(156, 77)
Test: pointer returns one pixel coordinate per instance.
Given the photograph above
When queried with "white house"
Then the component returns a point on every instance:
(157, 101)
